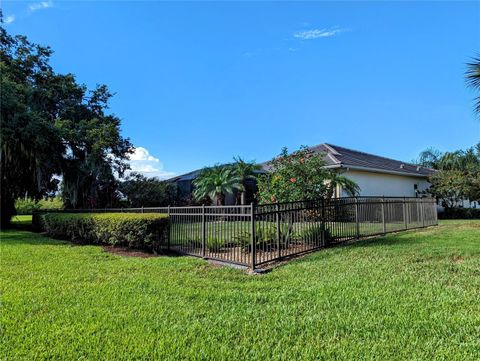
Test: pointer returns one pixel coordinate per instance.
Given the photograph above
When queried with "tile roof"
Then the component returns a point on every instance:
(185, 177)
(340, 157)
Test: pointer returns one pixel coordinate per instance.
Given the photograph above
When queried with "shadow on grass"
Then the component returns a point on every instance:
(400, 238)
(380, 241)
(24, 236)
(12, 236)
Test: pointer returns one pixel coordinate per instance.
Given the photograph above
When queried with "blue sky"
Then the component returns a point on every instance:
(198, 83)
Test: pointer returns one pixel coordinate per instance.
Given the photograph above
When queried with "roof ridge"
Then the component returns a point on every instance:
(375, 155)
(329, 147)
(335, 160)
(330, 152)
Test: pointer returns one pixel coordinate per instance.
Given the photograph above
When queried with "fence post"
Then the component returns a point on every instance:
(384, 226)
(322, 224)
(170, 224)
(405, 212)
(143, 211)
(277, 216)
(407, 209)
(253, 245)
(422, 210)
(204, 237)
(357, 224)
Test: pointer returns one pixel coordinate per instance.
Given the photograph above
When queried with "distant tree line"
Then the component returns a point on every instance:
(140, 191)
(457, 176)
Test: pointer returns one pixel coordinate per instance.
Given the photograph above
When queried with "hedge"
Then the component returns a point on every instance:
(147, 231)
(29, 206)
(460, 213)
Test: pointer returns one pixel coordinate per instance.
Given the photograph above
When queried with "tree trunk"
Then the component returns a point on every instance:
(220, 199)
(243, 198)
(330, 191)
(7, 210)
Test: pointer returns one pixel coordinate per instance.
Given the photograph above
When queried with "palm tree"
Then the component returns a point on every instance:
(244, 171)
(215, 182)
(347, 185)
(473, 79)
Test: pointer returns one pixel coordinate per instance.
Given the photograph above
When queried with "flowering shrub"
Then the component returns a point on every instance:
(297, 176)
(300, 175)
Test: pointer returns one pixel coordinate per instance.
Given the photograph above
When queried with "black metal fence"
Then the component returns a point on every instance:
(257, 234)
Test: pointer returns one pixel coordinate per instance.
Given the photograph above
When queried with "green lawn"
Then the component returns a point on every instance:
(22, 220)
(413, 295)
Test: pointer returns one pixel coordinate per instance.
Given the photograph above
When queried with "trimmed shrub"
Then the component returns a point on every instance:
(460, 213)
(29, 206)
(134, 230)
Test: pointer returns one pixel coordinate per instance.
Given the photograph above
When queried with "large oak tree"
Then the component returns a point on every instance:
(51, 125)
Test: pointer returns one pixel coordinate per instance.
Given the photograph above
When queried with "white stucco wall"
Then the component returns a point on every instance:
(381, 184)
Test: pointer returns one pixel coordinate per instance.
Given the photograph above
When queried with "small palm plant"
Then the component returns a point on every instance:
(215, 182)
(244, 171)
(335, 180)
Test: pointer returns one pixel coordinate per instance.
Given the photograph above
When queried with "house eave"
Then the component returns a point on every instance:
(376, 170)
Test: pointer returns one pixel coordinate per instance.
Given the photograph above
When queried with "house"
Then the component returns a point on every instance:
(375, 175)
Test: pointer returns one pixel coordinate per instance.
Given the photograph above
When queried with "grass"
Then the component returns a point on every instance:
(22, 220)
(413, 295)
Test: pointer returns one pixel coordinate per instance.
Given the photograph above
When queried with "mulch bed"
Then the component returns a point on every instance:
(129, 252)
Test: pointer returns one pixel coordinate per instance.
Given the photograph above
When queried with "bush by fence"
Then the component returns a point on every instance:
(29, 206)
(460, 213)
(134, 230)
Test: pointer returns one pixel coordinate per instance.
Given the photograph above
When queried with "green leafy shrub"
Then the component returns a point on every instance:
(266, 234)
(215, 243)
(28, 206)
(134, 230)
(314, 231)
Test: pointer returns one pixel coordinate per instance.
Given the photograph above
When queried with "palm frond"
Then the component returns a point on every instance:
(348, 185)
(473, 73)
(215, 181)
(472, 76)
